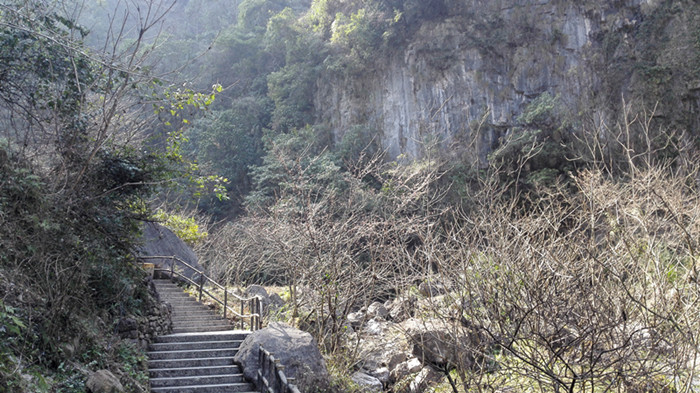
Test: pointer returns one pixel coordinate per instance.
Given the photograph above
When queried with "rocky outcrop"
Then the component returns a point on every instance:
(411, 354)
(296, 350)
(103, 381)
(160, 241)
(462, 80)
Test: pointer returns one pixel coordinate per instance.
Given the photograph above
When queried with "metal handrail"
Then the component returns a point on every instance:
(271, 378)
(254, 303)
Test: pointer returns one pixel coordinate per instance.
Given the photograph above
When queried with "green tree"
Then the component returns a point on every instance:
(298, 154)
(230, 142)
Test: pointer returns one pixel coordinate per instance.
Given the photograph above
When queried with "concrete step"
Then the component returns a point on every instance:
(186, 346)
(231, 335)
(225, 388)
(192, 371)
(175, 294)
(195, 317)
(189, 363)
(197, 380)
(172, 292)
(195, 322)
(170, 287)
(188, 301)
(165, 281)
(193, 353)
(205, 326)
(194, 311)
(184, 298)
(190, 307)
(201, 329)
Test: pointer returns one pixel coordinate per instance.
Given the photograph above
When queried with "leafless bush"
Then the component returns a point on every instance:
(335, 252)
(590, 288)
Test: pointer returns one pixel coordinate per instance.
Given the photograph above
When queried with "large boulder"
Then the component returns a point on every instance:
(103, 381)
(296, 350)
(269, 303)
(158, 241)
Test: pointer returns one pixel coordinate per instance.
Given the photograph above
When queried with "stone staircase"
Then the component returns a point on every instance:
(198, 356)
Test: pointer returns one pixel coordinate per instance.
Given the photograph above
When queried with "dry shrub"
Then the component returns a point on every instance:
(334, 252)
(595, 289)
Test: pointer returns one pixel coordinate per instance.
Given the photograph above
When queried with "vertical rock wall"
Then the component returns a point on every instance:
(463, 80)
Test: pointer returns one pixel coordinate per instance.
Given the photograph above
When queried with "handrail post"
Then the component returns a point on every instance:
(252, 318)
(172, 270)
(255, 319)
(225, 299)
(251, 308)
(201, 284)
(242, 313)
(279, 370)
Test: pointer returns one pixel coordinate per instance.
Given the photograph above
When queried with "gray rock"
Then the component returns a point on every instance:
(368, 382)
(436, 342)
(399, 372)
(296, 350)
(413, 365)
(375, 327)
(276, 301)
(396, 359)
(355, 319)
(161, 241)
(257, 290)
(127, 324)
(412, 95)
(103, 381)
(402, 308)
(404, 369)
(377, 310)
(426, 378)
(68, 350)
(382, 374)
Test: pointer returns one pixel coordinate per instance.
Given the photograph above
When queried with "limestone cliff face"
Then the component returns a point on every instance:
(463, 79)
